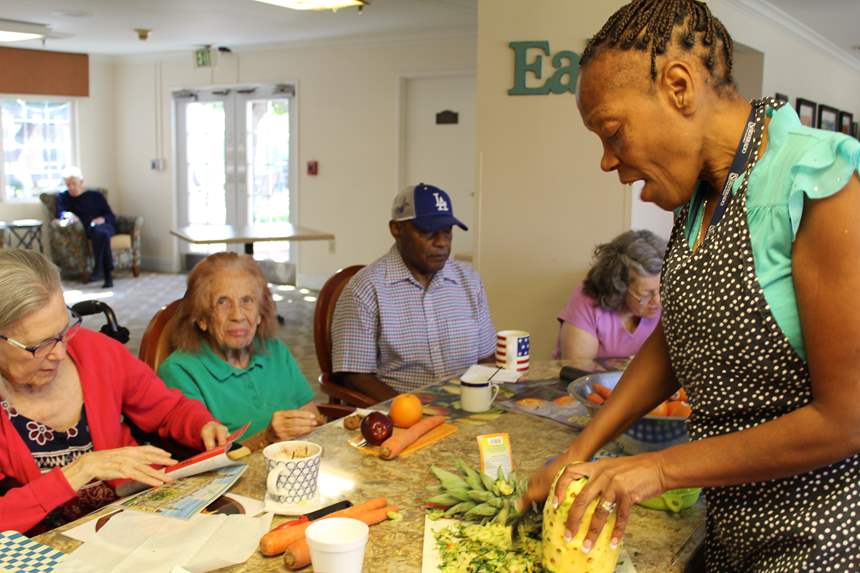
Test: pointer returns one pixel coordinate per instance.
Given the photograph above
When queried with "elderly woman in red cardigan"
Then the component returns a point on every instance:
(64, 392)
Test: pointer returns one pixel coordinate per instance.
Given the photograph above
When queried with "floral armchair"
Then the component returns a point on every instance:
(71, 250)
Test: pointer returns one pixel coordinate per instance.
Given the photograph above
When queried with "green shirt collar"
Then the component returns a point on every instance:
(220, 369)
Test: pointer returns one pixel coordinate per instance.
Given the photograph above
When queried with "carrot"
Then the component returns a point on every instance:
(392, 447)
(277, 540)
(596, 398)
(298, 554)
(601, 389)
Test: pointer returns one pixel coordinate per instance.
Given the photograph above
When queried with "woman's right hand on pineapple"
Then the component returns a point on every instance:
(616, 484)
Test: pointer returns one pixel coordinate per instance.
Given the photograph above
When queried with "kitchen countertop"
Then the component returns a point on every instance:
(658, 542)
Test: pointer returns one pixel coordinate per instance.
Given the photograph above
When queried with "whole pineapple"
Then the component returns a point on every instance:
(560, 556)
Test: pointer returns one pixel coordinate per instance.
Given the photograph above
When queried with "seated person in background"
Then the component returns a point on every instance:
(412, 317)
(95, 214)
(615, 310)
(228, 357)
(64, 392)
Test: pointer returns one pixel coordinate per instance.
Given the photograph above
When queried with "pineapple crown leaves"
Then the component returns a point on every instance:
(475, 496)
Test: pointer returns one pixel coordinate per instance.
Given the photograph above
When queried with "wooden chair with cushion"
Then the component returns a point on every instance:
(157, 344)
(323, 317)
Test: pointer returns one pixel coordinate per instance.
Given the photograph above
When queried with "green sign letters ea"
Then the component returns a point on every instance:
(528, 59)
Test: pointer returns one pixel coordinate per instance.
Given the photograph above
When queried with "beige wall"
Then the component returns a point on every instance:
(544, 203)
(347, 94)
(95, 143)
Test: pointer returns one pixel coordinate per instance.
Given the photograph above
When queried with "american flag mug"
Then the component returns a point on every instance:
(512, 350)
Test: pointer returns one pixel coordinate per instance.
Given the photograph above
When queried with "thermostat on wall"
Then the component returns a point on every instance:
(158, 164)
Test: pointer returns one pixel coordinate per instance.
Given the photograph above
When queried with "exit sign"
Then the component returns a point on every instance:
(203, 58)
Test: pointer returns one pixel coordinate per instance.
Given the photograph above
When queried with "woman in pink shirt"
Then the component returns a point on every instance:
(616, 308)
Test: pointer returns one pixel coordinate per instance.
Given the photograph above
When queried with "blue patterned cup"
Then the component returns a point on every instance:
(293, 470)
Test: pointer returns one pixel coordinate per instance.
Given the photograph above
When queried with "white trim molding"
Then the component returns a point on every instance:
(776, 14)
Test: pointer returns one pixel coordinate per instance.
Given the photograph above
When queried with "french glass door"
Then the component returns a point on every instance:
(234, 160)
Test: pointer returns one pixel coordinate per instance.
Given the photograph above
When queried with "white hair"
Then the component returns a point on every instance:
(73, 171)
(28, 281)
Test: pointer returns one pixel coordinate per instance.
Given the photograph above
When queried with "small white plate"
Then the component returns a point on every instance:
(301, 508)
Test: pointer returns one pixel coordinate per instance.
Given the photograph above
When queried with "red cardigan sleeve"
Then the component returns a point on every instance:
(23, 507)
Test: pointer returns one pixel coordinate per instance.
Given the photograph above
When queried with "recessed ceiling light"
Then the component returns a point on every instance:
(316, 4)
(15, 31)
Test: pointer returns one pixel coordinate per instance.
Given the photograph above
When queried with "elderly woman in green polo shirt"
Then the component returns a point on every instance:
(228, 357)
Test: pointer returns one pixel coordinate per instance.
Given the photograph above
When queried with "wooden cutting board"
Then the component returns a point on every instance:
(439, 432)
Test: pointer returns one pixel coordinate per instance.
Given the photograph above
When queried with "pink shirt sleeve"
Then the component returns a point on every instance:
(581, 312)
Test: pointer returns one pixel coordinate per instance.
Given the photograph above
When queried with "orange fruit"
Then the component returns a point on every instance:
(681, 409)
(405, 410)
(563, 400)
(661, 410)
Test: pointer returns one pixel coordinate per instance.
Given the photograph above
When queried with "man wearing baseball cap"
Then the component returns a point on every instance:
(414, 316)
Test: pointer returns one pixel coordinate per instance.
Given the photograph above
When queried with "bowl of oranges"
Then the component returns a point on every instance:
(664, 426)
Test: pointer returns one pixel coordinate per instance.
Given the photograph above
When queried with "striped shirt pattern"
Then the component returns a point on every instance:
(387, 323)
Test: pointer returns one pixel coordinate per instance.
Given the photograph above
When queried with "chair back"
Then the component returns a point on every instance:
(156, 344)
(324, 314)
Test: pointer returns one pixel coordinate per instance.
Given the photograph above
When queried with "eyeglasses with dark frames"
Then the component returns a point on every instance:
(45, 347)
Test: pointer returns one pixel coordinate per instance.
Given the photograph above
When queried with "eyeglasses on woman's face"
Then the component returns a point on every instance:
(44, 348)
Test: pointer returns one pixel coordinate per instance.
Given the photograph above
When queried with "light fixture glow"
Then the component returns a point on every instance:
(316, 4)
(14, 31)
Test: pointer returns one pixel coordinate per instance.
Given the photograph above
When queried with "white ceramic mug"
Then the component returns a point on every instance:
(477, 396)
(513, 348)
(293, 470)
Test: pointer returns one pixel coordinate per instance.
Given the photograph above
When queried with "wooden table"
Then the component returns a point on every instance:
(248, 234)
(657, 542)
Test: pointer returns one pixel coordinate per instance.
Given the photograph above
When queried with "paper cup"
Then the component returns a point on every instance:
(513, 348)
(293, 470)
(337, 544)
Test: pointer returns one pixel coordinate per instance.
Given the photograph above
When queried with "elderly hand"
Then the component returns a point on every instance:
(214, 434)
(289, 424)
(617, 481)
(121, 463)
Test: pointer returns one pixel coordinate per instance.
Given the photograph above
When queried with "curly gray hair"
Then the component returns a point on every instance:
(609, 277)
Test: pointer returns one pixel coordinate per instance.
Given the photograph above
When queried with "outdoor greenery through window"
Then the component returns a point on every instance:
(37, 144)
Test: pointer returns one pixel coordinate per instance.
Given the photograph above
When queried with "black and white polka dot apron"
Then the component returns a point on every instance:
(739, 371)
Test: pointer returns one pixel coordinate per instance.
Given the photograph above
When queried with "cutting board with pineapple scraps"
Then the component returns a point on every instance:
(431, 560)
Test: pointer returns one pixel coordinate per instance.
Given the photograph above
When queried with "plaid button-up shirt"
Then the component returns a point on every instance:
(388, 324)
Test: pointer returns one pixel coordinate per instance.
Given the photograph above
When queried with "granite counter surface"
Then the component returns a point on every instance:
(658, 542)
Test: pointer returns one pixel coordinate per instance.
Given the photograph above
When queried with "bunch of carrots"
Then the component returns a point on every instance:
(290, 539)
(676, 405)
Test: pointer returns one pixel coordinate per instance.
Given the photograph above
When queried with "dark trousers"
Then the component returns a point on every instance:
(99, 236)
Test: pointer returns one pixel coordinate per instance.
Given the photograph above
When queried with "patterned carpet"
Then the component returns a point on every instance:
(136, 300)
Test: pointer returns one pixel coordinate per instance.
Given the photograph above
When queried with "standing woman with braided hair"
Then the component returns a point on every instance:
(757, 325)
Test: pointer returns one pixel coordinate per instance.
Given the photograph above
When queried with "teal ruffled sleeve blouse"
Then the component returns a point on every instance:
(799, 162)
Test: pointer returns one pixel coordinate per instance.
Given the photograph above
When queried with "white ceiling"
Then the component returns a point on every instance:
(106, 26)
(836, 20)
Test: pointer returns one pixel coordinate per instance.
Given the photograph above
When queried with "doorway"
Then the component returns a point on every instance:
(439, 148)
(234, 152)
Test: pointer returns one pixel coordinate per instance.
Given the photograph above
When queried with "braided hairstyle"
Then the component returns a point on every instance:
(651, 25)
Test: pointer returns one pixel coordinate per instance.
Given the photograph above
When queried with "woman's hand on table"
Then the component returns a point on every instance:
(289, 424)
(214, 434)
(622, 481)
(121, 463)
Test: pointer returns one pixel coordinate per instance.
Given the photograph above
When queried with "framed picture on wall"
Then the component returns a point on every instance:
(854, 130)
(781, 97)
(845, 121)
(806, 111)
(828, 117)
